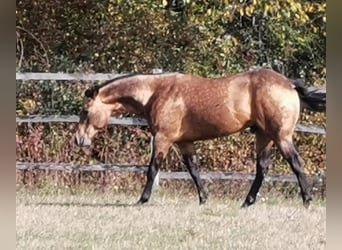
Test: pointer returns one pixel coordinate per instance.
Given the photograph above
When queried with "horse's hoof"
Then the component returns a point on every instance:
(245, 205)
(306, 201)
(306, 204)
(203, 199)
(141, 202)
(249, 201)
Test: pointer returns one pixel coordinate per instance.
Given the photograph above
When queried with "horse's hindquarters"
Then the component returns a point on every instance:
(277, 110)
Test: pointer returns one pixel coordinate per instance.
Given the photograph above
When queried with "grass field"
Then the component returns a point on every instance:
(95, 220)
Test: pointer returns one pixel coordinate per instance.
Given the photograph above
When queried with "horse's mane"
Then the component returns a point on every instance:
(117, 79)
(93, 90)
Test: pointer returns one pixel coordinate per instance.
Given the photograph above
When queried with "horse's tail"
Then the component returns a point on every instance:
(314, 100)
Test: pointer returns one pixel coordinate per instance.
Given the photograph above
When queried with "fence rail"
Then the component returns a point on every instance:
(66, 76)
(20, 166)
(42, 76)
(74, 119)
(133, 121)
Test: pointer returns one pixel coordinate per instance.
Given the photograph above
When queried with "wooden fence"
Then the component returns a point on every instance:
(123, 121)
(181, 175)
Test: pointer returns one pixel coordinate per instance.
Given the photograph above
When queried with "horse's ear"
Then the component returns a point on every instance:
(92, 92)
(89, 93)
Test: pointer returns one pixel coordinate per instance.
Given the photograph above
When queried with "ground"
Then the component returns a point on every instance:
(110, 220)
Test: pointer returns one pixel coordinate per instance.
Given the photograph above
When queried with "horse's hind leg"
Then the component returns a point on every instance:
(290, 153)
(191, 161)
(263, 149)
(160, 149)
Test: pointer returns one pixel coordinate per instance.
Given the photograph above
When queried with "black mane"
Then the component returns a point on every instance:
(93, 90)
(118, 78)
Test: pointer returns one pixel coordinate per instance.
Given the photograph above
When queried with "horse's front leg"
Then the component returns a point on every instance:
(160, 148)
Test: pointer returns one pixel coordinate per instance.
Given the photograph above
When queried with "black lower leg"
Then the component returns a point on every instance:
(151, 174)
(263, 162)
(296, 164)
(192, 165)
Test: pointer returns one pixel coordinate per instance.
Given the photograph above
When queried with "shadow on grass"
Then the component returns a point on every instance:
(87, 204)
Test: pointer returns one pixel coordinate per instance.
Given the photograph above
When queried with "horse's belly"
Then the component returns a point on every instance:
(209, 127)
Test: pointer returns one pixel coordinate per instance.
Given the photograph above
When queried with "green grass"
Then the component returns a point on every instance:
(95, 220)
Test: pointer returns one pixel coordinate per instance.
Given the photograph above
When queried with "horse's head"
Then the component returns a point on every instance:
(94, 116)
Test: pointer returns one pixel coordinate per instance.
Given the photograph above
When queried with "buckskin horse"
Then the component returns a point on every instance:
(183, 108)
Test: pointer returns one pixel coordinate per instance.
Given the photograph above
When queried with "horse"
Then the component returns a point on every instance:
(183, 108)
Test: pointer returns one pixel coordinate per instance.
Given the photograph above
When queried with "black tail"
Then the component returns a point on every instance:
(314, 100)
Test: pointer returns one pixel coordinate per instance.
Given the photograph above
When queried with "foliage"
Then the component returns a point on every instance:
(207, 37)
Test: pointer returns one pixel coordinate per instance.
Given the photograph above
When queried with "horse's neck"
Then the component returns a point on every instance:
(131, 88)
(140, 89)
(136, 93)
(133, 93)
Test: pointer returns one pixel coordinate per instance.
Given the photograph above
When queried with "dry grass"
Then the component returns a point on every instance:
(91, 220)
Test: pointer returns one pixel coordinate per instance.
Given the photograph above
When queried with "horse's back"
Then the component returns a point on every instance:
(264, 98)
(202, 108)
(196, 108)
